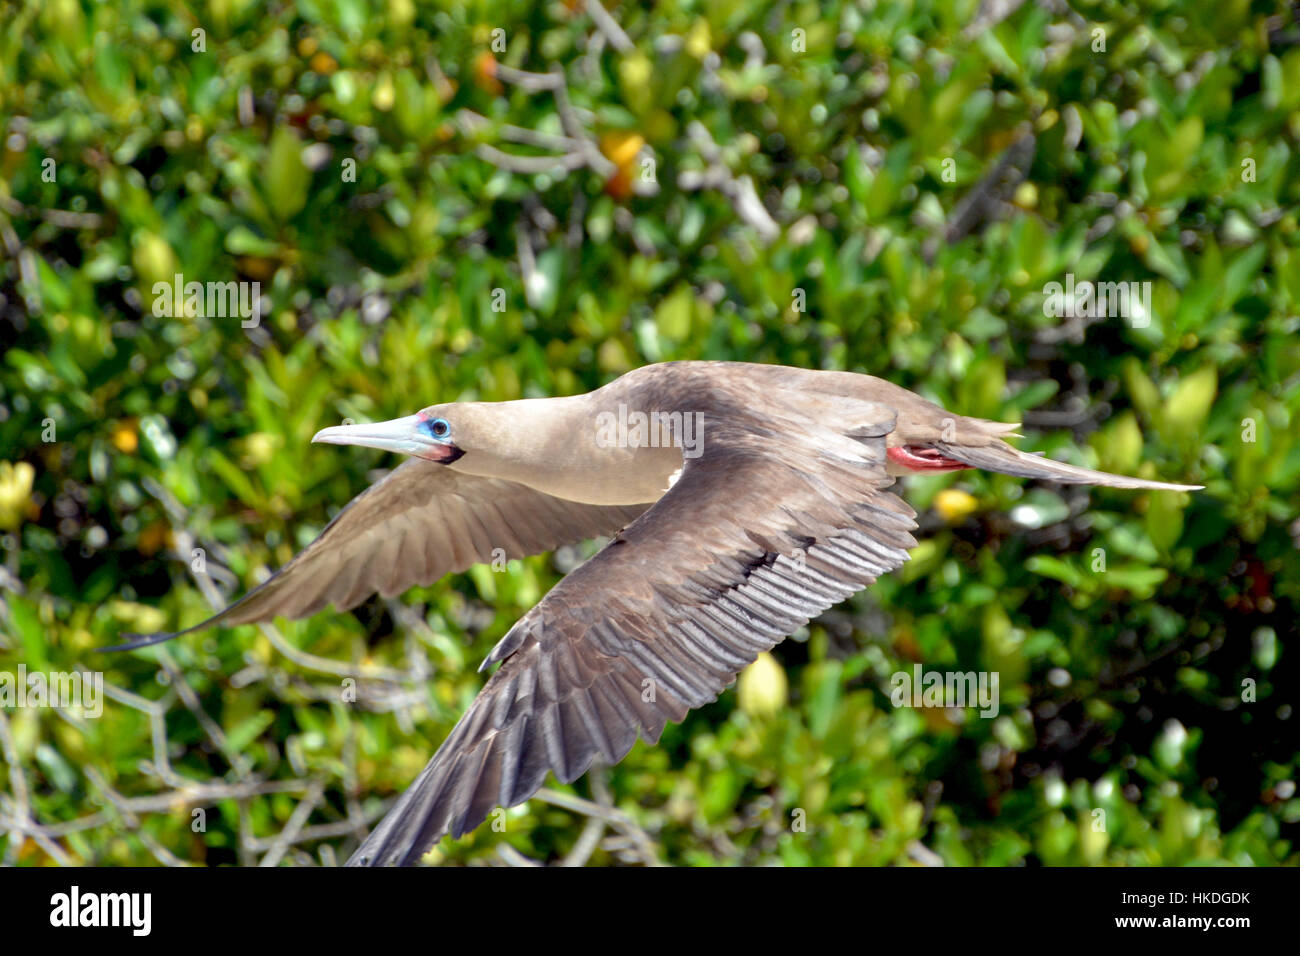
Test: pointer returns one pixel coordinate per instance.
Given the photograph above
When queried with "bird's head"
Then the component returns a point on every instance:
(441, 433)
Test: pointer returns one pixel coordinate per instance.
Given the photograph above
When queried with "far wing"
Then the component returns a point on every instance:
(420, 522)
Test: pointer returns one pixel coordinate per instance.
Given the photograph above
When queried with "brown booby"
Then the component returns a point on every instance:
(742, 500)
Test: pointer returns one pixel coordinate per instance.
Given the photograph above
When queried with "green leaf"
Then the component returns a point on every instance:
(249, 730)
(1055, 568)
(1189, 404)
(1141, 581)
(1164, 518)
(23, 617)
(1120, 445)
(673, 316)
(286, 178)
(235, 478)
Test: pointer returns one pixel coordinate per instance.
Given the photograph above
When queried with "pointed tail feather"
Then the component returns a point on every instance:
(1001, 457)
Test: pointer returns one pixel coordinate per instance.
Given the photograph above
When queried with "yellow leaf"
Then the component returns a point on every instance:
(955, 505)
(763, 687)
(621, 148)
(15, 492)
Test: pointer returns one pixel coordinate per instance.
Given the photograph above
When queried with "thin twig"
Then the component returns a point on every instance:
(609, 27)
(63, 218)
(738, 189)
(297, 820)
(614, 817)
(530, 165)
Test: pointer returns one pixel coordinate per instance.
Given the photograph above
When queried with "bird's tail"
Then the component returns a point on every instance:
(1000, 457)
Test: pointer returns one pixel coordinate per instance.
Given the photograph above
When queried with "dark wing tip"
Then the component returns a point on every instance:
(137, 641)
(231, 616)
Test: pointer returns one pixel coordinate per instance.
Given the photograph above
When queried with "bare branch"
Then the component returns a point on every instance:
(739, 189)
(529, 82)
(609, 27)
(530, 165)
(297, 820)
(63, 218)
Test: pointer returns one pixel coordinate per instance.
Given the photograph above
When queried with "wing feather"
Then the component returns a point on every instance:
(420, 522)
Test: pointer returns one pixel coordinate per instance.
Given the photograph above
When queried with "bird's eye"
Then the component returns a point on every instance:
(439, 428)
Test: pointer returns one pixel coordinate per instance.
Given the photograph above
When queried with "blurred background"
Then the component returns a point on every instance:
(491, 200)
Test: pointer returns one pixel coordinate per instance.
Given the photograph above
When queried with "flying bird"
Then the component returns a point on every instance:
(741, 501)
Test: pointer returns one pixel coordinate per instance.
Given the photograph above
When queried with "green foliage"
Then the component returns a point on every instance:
(1123, 625)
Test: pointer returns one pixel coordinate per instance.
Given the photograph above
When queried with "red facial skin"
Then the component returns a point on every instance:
(921, 458)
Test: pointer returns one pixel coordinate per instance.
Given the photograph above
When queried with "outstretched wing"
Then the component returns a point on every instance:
(772, 525)
(418, 523)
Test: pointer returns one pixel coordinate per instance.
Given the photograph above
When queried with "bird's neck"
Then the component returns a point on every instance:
(591, 448)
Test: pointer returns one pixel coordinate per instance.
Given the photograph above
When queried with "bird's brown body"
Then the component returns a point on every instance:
(710, 476)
